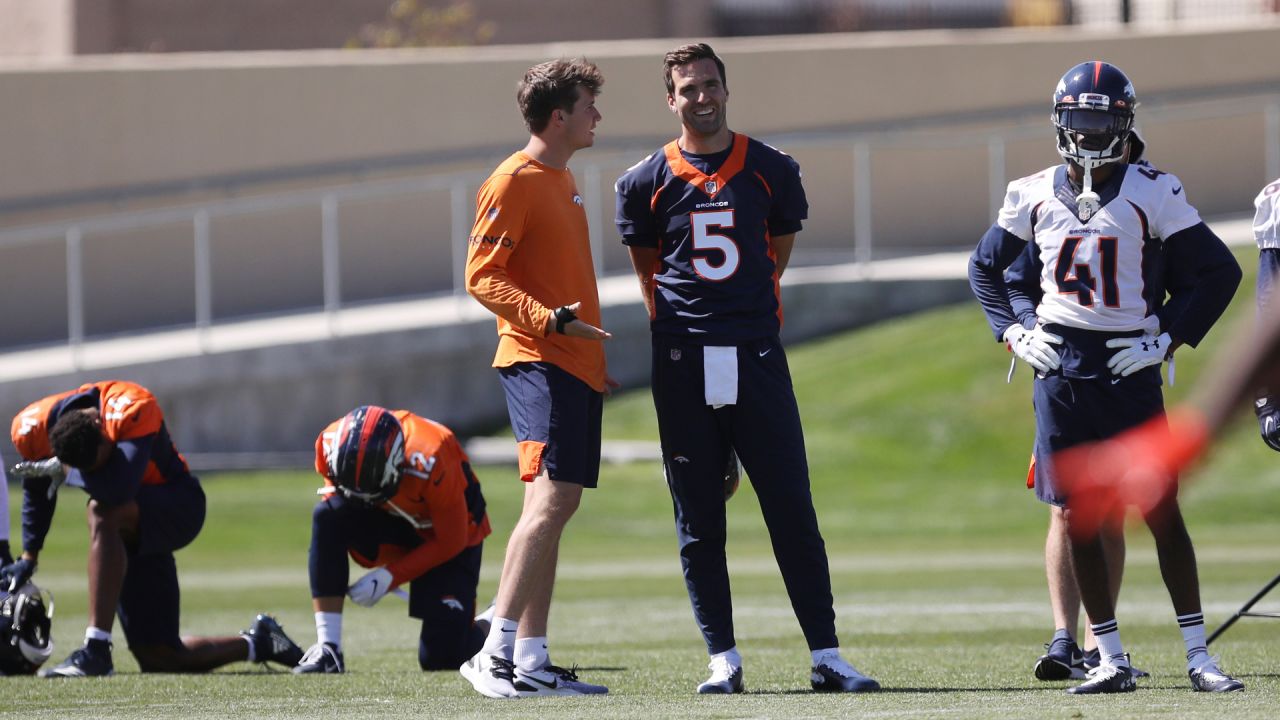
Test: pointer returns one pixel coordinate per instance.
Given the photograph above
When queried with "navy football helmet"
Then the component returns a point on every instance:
(367, 454)
(26, 617)
(1093, 111)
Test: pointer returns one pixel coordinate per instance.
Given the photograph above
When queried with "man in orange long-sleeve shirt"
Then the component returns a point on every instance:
(529, 262)
(399, 497)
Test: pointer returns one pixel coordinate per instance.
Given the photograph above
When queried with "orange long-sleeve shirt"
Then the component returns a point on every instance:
(528, 254)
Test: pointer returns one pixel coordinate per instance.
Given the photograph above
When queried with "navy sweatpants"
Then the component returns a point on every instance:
(764, 429)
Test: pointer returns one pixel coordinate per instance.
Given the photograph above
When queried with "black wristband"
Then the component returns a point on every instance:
(564, 316)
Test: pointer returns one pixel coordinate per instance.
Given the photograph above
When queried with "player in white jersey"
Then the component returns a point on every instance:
(1064, 658)
(1118, 271)
(1266, 230)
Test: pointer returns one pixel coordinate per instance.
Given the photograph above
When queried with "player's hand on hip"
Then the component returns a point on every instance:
(16, 574)
(1268, 421)
(368, 590)
(1034, 347)
(1137, 353)
(564, 320)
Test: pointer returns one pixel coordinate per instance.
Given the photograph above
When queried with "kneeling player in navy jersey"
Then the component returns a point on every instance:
(710, 220)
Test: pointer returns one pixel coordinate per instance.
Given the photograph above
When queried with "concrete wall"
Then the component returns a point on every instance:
(277, 398)
(77, 27)
(94, 122)
(118, 121)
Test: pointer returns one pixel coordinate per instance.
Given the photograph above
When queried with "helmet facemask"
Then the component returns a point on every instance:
(1091, 136)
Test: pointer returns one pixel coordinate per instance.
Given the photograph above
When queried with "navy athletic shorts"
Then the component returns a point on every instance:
(1071, 411)
(556, 420)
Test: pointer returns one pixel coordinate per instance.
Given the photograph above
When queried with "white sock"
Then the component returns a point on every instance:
(93, 633)
(819, 655)
(1107, 634)
(329, 628)
(253, 656)
(735, 659)
(501, 639)
(531, 653)
(1192, 626)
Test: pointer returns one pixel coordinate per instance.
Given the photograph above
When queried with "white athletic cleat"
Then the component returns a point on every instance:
(490, 675)
(553, 680)
(726, 678)
(833, 673)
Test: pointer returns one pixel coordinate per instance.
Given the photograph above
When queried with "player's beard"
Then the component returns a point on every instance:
(705, 126)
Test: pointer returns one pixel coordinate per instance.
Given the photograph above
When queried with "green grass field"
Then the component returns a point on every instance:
(918, 450)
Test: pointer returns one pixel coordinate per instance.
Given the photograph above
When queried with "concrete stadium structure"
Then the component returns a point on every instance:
(892, 131)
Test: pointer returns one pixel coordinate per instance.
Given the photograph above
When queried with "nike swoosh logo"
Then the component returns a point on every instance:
(1177, 190)
(549, 685)
(765, 352)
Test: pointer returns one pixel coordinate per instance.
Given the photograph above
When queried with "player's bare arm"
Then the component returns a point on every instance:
(644, 260)
(782, 246)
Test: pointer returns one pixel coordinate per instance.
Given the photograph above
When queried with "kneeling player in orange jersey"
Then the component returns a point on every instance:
(400, 498)
(110, 439)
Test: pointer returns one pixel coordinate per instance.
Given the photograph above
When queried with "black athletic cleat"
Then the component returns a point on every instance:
(1063, 661)
(1209, 678)
(1106, 679)
(93, 659)
(321, 658)
(270, 643)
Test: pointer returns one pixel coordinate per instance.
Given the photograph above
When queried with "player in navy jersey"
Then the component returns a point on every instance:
(710, 221)
(996, 251)
(1118, 271)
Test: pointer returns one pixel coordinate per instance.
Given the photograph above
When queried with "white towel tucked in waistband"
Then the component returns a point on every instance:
(720, 375)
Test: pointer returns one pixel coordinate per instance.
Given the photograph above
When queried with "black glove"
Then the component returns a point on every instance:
(1268, 421)
(6, 556)
(16, 574)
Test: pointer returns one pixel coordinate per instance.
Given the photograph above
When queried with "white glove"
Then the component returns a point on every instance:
(1138, 352)
(1034, 346)
(368, 590)
(50, 468)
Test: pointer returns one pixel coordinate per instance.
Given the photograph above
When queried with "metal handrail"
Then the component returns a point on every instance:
(859, 141)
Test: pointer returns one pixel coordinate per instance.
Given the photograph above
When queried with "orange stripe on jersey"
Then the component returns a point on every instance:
(1031, 472)
(777, 283)
(709, 184)
(765, 183)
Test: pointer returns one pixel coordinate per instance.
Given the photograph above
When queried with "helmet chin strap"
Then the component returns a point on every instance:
(1088, 203)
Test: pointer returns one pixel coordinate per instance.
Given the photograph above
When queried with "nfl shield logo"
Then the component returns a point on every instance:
(711, 186)
(675, 354)
(492, 213)
(577, 200)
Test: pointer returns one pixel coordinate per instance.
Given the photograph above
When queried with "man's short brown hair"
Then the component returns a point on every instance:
(552, 86)
(686, 54)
